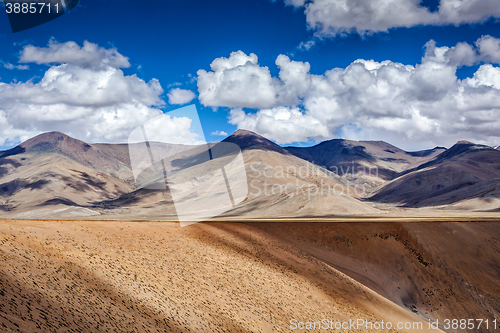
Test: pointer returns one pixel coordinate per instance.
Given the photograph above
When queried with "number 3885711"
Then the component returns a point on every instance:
(31, 8)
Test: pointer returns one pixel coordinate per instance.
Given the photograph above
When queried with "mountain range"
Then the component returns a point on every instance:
(55, 176)
(104, 272)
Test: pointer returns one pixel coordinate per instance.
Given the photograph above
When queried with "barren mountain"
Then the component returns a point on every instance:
(244, 277)
(279, 184)
(79, 151)
(464, 172)
(365, 162)
(56, 174)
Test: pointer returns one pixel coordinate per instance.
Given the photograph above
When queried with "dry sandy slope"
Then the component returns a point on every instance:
(439, 270)
(61, 276)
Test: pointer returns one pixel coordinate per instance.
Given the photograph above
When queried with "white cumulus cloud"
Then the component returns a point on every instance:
(88, 55)
(83, 94)
(333, 17)
(238, 79)
(282, 124)
(179, 96)
(414, 106)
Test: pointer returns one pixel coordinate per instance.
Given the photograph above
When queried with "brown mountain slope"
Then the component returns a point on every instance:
(55, 170)
(463, 172)
(51, 185)
(248, 140)
(437, 270)
(364, 162)
(55, 175)
(279, 185)
(79, 151)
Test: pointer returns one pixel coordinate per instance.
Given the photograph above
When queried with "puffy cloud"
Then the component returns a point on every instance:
(169, 129)
(179, 96)
(462, 54)
(94, 105)
(89, 55)
(486, 49)
(489, 49)
(415, 106)
(238, 80)
(88, 97)
(467, 11)
(486, 75)
(282, 124)
(333, 17)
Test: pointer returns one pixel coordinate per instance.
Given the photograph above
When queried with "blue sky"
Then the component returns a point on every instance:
(172, 41)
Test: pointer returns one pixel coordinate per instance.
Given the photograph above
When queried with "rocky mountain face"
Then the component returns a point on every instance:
(462, 173)
(55, 175)
(370, 163)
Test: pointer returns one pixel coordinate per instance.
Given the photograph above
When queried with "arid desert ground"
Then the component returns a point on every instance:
(113, 276)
